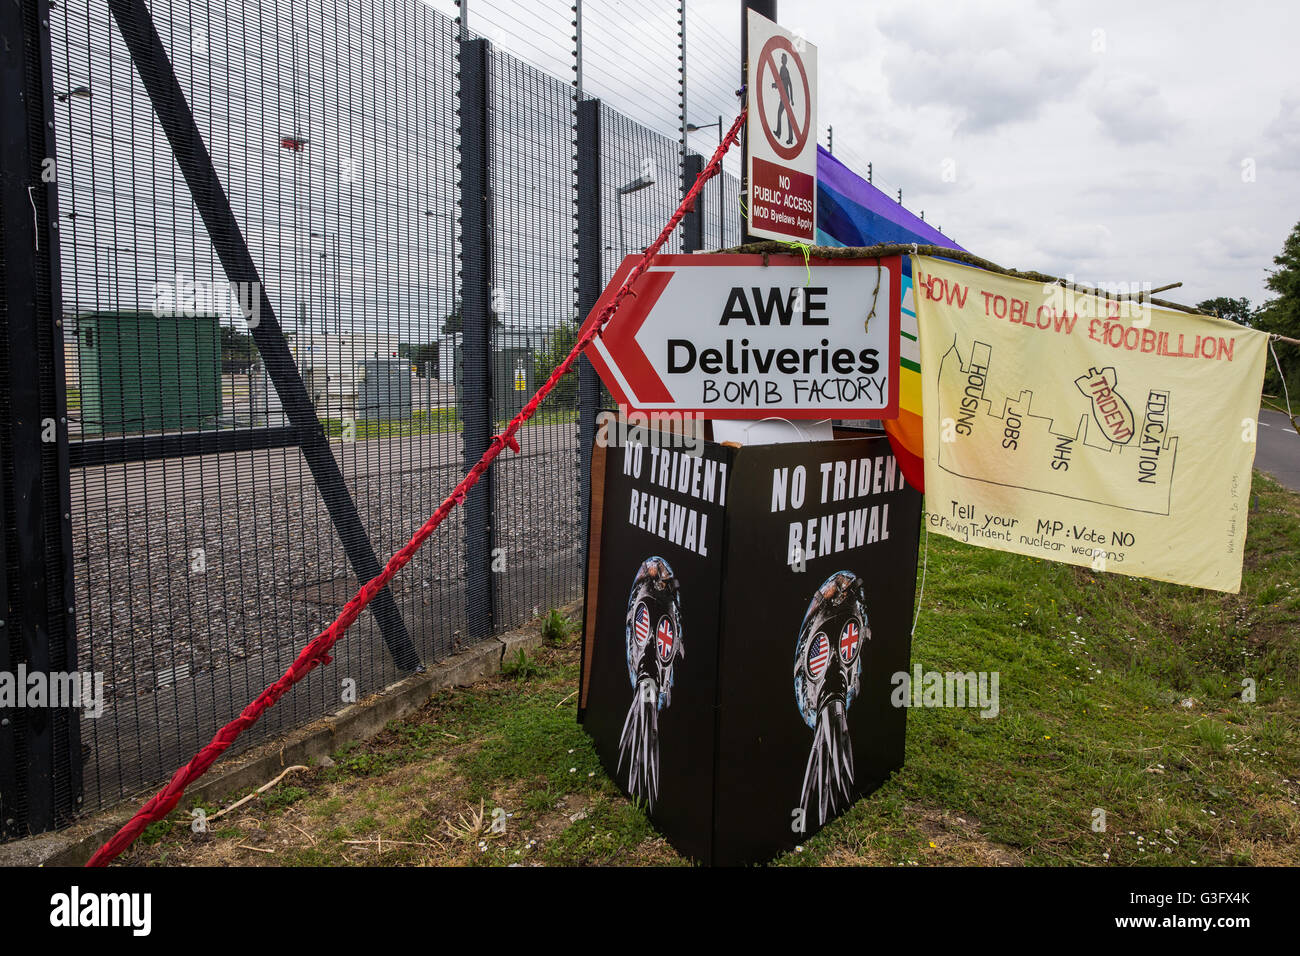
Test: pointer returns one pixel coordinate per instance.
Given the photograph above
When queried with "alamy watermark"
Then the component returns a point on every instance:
(683, 430)
(1066, 300)
(77, 908)
(180, 295)
(83, 690)
(947, 689)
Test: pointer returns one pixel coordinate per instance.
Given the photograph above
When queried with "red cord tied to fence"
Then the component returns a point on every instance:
(506, 440)
(316, 653)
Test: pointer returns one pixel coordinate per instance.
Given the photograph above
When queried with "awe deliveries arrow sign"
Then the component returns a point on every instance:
(733, 336)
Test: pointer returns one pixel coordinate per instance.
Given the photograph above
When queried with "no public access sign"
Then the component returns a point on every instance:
(727, 336)
(782, 82)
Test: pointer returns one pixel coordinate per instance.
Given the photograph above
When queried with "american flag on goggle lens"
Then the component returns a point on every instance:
(641, 624)
(818, 654)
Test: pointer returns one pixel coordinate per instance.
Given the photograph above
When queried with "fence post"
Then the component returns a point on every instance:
(766, 8)
(693, 221)
(476, 310)
(174, 115)
(590, 280)
(40, 743)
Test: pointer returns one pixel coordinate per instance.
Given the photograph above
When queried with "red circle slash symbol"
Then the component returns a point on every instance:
(767, 62)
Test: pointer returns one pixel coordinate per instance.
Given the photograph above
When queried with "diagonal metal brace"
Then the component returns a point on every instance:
(192, 157)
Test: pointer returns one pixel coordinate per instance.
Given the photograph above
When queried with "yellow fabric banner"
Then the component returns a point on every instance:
(1110, 434)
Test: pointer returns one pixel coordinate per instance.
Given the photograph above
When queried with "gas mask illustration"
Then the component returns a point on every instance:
(654, 644)
(827, 669)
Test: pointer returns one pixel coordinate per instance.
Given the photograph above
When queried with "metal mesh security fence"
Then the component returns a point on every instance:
(313, 254)
(199, 575)
(538, 527)
(641, 187)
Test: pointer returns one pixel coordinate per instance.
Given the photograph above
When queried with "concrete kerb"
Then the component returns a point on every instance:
(75, 845)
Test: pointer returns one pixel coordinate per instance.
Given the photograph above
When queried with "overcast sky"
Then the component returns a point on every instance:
(1104, 139)
(1113, 140)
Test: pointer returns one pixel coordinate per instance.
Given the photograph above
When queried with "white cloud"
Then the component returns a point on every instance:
(1282, 136)
(1117, 164)
(1235, 242)
(1131, 109)
(987, 69)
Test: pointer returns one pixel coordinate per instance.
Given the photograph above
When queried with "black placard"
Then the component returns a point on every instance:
(782, 636)
(646, 487)
(868, 564)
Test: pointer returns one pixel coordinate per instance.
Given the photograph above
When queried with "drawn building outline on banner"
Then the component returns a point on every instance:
(1046, 455)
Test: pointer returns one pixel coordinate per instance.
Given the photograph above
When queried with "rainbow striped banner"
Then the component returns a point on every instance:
(852, 212)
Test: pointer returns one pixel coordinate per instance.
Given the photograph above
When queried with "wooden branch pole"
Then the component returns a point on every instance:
(969, 258)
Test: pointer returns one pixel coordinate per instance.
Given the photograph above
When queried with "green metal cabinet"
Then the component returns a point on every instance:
(142, 372)
(512, 380)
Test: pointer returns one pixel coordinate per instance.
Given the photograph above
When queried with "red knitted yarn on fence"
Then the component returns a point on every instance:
(317, 652)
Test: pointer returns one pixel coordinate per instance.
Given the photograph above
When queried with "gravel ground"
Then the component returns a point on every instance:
(196, 587)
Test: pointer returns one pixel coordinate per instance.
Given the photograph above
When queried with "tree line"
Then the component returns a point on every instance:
(1279, 314)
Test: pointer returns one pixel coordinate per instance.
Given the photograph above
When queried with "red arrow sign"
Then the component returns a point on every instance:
(620, 334)
(752, 337)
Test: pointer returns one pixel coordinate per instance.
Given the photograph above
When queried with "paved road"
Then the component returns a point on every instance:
(274, 576)
(1278, 450)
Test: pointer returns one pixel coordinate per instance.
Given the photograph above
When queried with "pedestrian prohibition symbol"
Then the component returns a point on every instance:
(782, 80)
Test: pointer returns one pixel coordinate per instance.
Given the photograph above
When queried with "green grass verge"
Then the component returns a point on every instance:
(1118, 696)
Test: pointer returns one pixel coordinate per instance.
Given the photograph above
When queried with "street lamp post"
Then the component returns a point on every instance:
(692, 128)
(81, 92)
(641, 182)
(330, 244)
(295, 144)
(324, 237)
(338, 286)
(765, 8)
